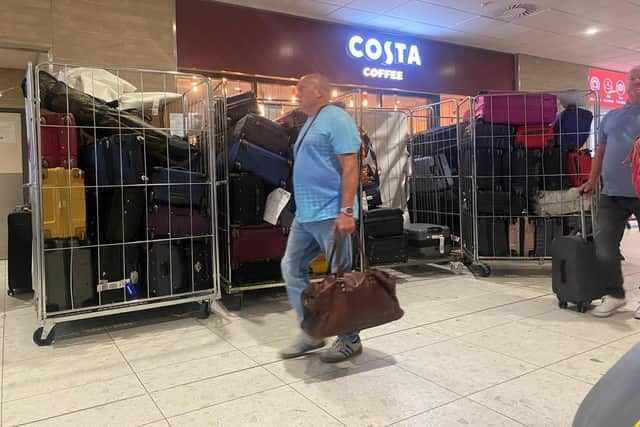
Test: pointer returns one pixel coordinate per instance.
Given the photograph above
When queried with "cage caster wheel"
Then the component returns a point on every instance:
(10, 292)
(203, 314)
(485, 270)
(563, 304)
(232, 302)
(466, 261)
(48, 340)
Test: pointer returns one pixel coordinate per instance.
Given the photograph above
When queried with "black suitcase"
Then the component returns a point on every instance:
(383, 222)
(125, 215)
(126, 159)
(547, 229)
(69, 267)
(246, 199)
(256, 272)
(493, 136)
(493, 237)
(168, 269)
(432, 173)
(178, 187)
(263, 132)
(489, 168)
(525, 171)
(554, 164)
(198, 258)
(292, 122)
(239, 105)
(576, 276)
(19, 251)
(500, 203)
(386, 250)
(428, 240)
(122, 271)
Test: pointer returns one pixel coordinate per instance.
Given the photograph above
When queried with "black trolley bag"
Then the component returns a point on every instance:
(19, 251)
(575, 269)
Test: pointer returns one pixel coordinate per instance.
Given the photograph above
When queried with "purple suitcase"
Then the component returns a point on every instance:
(165, 221)
(517, 109)
(257, 243)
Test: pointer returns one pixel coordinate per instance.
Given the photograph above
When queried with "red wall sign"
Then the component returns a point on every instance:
(611, 87)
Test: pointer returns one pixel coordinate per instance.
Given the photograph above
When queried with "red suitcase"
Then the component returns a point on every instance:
(534, 136)
(165, 221)
(59, 140)
(257, 243)
(579, 167)
(517, 109)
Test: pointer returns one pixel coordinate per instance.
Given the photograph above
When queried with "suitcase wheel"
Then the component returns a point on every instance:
(563, 304)
(583, 306)
(232, 302)
(48, 340)
(203, 314)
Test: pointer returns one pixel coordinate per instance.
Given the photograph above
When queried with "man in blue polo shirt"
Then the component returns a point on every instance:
(325, 183)
(618, 131)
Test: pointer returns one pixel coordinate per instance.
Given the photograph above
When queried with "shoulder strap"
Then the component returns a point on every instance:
(307, 130)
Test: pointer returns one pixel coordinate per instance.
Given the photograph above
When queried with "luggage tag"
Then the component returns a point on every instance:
(277, 200)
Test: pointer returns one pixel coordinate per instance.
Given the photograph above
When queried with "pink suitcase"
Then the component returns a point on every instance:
(257, 243)
(59, 141)
(165, 221)
(517, 109)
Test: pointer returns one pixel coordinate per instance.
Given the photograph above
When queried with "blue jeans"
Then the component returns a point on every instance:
(306, 241)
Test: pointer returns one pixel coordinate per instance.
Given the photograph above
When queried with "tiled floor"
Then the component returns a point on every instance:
(472, 352)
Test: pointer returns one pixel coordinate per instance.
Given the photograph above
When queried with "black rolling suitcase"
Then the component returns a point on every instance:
(19, 251)
(525, 171)
(68, 267)
(240, 105)
(292, 122)
(263, 132)
(428, 240)
(547, 229)
(383, 222)
(554, 169)
(198, 258)
(493, 237)
(168, 274)
(386, 250)
(575, 276)
(256, 272)
(125, 216)
(122, 271)
(500, 203)
(247, 198)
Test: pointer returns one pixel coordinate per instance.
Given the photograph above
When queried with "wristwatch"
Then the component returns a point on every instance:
(347, 211)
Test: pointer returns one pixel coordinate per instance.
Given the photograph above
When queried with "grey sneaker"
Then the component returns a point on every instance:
(301, 345)
(341, 350)
(609, 306)
(637, 314)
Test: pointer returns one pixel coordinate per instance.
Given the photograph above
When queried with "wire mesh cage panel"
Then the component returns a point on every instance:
(121, 188)
(523, 157)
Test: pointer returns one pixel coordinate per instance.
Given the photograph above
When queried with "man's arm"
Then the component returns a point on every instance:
(349, 162)
(596, 169)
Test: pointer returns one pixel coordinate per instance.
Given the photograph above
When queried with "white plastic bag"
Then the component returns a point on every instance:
(96, 82)
(558, 203)
(150, 101)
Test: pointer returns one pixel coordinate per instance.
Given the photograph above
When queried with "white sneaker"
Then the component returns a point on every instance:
(609, 306)
(637, 315)
(301, 345)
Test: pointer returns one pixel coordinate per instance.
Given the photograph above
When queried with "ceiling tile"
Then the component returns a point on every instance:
(375, 6)
(575, 7)
(351, 16)
(432, 14)
(486, 8)
(618, 14)
(388, 22)
(619, 37)
(490, 27)
(555, 21)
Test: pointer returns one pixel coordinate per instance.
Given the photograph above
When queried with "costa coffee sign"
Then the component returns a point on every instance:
(383, 53)
(610, 86)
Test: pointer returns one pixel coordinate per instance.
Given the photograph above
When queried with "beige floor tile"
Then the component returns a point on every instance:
(201, 394)
(254, 331)
(541, 398)
(45, 375)
(590, 366)
(275, 408)
(131, 412)
(70, 400)
(375, 394)
(450, 290)
(194, 370)
(463, 412)
(162, 423)
(461, 367)
(627, 342)
(529, 343)
(152, 351)
(487, 301)
(399, 342)
(422, 313)
(310, 366)
(20, 347)
(594, 329)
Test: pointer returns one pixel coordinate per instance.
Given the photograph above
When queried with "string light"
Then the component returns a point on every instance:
(334, 93)
(351, 103)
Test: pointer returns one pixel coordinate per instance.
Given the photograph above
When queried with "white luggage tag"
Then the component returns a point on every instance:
(277, 200)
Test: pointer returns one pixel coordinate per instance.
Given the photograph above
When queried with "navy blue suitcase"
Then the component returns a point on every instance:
(181, 187)
(263, 132)
(274, 169)
(525, 171)
(115, 160)
(572, 127)
(94, 160)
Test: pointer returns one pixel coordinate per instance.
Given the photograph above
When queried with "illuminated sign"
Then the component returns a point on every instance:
(386, 53)
(610, 86)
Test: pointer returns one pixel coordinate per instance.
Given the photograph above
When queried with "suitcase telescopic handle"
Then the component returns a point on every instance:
(583, 217)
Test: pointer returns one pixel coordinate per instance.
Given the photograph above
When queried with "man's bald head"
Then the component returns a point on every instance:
(314, 91)
(634, 85)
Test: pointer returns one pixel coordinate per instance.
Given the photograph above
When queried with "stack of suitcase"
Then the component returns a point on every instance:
(260, 160)
(385, 238)
(118, 224)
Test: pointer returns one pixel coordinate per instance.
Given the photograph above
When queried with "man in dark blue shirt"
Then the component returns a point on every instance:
(618, 131)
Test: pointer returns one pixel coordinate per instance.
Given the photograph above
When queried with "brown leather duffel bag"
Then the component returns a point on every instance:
(347, 302)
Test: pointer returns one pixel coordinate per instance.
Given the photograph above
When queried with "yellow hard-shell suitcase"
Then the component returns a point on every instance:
(319, 265)
(63, 203)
